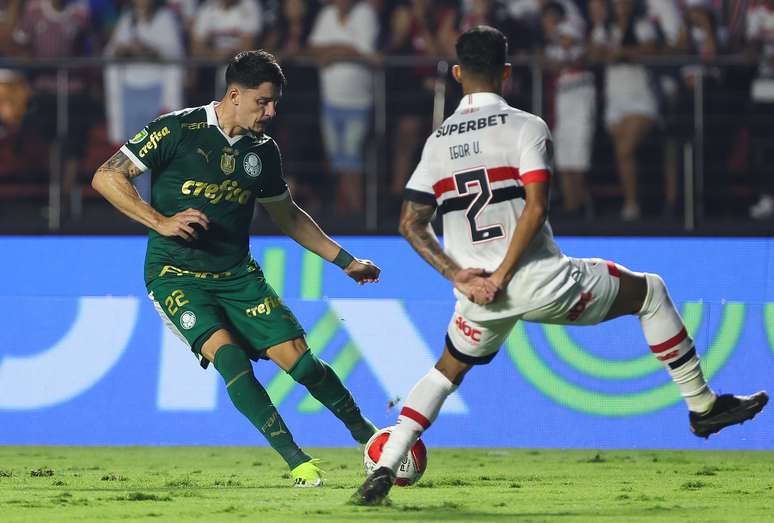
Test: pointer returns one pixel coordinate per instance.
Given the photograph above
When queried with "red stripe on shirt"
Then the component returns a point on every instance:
(496, 174)
(416, 416)
(499, 174)
(442, 186)
(539, 176)
(671, 342)
(613, 269)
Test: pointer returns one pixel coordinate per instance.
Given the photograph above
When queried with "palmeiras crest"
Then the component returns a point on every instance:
(252, 164)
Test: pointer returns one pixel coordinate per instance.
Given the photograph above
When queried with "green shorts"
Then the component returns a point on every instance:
(243, 303)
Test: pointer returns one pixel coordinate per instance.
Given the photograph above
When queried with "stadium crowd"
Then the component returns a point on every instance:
(618, 81)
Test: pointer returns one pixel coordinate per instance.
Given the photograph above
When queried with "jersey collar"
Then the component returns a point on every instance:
(212, 119)
(473, 100)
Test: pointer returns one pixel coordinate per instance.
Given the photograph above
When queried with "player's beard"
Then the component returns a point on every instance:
(261, 126)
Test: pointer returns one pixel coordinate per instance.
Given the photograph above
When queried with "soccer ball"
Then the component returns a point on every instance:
(410, 469)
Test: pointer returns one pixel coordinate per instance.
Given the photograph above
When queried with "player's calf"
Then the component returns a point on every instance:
(323, 383)
(670, 343)
(419, 411)
(252, 400)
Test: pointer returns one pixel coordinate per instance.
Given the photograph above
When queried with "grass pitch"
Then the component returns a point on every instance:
(251, 484)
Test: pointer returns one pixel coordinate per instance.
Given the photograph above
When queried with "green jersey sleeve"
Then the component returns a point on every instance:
(272, 186)
(155, 145)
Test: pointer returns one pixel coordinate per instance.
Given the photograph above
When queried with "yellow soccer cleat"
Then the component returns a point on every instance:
(308, 474)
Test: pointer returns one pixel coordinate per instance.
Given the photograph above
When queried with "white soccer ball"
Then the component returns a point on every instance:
(410, 469)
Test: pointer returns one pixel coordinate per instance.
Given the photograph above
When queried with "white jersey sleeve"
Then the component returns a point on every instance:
(535, 152)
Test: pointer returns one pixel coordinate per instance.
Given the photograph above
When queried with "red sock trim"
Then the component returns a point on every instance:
(671, 342)
(416, 416)
(668, 356)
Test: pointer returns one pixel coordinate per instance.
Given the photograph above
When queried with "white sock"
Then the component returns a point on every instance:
(668, 339)
(419, 411)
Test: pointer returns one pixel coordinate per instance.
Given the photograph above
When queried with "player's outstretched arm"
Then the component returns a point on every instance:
(297, 224)
(415, 226)
(113, 181)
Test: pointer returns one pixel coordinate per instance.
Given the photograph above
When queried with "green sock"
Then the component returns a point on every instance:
(326, 387)
(251, 399)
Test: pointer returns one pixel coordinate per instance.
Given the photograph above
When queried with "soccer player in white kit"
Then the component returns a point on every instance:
(487, 169)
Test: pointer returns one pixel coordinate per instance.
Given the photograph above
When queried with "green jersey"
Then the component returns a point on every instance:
(196, 165)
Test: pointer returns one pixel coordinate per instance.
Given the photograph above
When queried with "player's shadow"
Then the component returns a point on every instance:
(453, 511)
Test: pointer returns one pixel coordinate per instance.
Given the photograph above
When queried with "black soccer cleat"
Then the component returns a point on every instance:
(375, 488)
(727, 410)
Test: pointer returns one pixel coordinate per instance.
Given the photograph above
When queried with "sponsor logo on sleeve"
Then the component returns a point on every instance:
(139, 137)
(153, 142)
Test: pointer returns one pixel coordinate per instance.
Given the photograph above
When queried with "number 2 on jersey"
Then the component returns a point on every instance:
(476, 207)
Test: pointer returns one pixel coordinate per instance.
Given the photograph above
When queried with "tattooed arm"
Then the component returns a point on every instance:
(113, 181)
(415, 226)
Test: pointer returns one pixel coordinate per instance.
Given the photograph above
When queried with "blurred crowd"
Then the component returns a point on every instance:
(624, 121)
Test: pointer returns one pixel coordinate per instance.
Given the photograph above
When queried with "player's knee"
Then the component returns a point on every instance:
(308, 370)
(217, 339)
(232, 362)
(209, 351)
(454, 374)
(452, 368)
(655, 295)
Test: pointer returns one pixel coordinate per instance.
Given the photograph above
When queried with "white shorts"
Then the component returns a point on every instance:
(628, 91)
(618, 109)
(587, 303)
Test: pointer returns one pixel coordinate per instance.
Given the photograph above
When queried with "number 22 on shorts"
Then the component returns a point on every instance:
(174, 301)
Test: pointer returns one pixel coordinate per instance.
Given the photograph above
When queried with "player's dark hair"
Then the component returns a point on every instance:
(252, 68)
(483, 51)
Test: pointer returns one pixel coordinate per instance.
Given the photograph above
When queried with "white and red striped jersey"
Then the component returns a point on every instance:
(473, 169)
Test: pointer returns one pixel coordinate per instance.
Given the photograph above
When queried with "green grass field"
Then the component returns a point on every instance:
(250, 484)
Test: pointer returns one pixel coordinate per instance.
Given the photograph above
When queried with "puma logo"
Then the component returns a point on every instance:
(270, 423)
(206, 155)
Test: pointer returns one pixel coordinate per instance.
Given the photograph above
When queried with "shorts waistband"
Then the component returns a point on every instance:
(247, 266)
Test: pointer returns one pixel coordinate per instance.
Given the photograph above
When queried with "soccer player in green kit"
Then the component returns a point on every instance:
(209, 166)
